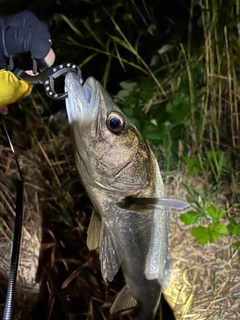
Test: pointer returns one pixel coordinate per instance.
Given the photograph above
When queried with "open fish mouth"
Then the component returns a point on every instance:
(81, 104)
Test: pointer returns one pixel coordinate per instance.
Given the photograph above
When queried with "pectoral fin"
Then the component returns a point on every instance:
(110, 253)
(131, 203)
(173, 203)
(124, 300)
(94, 231)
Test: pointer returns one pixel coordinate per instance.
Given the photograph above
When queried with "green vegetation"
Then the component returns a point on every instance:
(178, 80)
(216, 227)
(217, 165)
(175, 73)
(178, 84)
(173, 68)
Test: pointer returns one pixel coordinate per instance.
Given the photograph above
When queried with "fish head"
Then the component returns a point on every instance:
(110, 152)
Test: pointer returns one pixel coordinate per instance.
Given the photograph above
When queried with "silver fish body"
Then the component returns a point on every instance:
(130, 222)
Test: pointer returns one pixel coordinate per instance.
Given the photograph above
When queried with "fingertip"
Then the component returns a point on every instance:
(50, 58)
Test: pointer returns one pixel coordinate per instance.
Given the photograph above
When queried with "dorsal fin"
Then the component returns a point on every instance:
(124, 300)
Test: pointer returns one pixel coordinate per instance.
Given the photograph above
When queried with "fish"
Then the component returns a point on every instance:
(130, 221)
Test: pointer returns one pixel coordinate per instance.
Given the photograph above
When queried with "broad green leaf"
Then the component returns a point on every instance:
(169, 107)
(165, 48)
(145, 96)
(179, 108)
(215, 213)
(235, 245)
(234, 229)
(154, 61)
(190, 161)
(233, 222)
(149, 127)
(128, 86)
(136, 123)
(147, 85)
(157, 136)
(193, 166)
(217, 230)
(127, 111)
(220, 227)
(190, 217)
(201, 234)
(131, 100)
(122, 94)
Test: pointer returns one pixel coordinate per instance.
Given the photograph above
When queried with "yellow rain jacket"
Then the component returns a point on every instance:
(11, 88)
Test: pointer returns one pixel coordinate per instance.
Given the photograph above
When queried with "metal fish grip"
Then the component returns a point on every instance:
(57, 72)
(48, 76)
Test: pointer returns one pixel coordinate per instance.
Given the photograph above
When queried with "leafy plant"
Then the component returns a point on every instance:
(216, 228)
(163, 123)
(194, 167)
(214, 231)
(234, 229)
(216, 163)
(174, 75)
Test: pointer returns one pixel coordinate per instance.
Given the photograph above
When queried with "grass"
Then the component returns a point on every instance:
(183, 98)
(205, 72)
(69, 275)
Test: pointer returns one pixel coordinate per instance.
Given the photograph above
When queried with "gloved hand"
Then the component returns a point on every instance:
(21, 33)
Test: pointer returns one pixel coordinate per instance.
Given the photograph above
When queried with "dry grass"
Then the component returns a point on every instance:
(222, 84)
(56, 215)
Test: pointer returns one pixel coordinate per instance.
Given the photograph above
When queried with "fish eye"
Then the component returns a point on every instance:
(115, 122)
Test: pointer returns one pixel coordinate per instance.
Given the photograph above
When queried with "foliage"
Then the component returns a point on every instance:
(214, 231)
(217, 165)
(174, 74)
(194, 167)
(215, 162)
(205, 211)
(182, 61)
(165, 125)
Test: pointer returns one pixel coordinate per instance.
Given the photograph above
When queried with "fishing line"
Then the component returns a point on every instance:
(8, 308)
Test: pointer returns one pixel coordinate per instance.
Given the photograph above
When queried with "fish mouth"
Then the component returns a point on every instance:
(82, 103)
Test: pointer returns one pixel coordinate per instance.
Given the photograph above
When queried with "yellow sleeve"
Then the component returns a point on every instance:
(11, 88)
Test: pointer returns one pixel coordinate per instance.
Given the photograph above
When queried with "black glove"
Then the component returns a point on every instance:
(21, 33)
